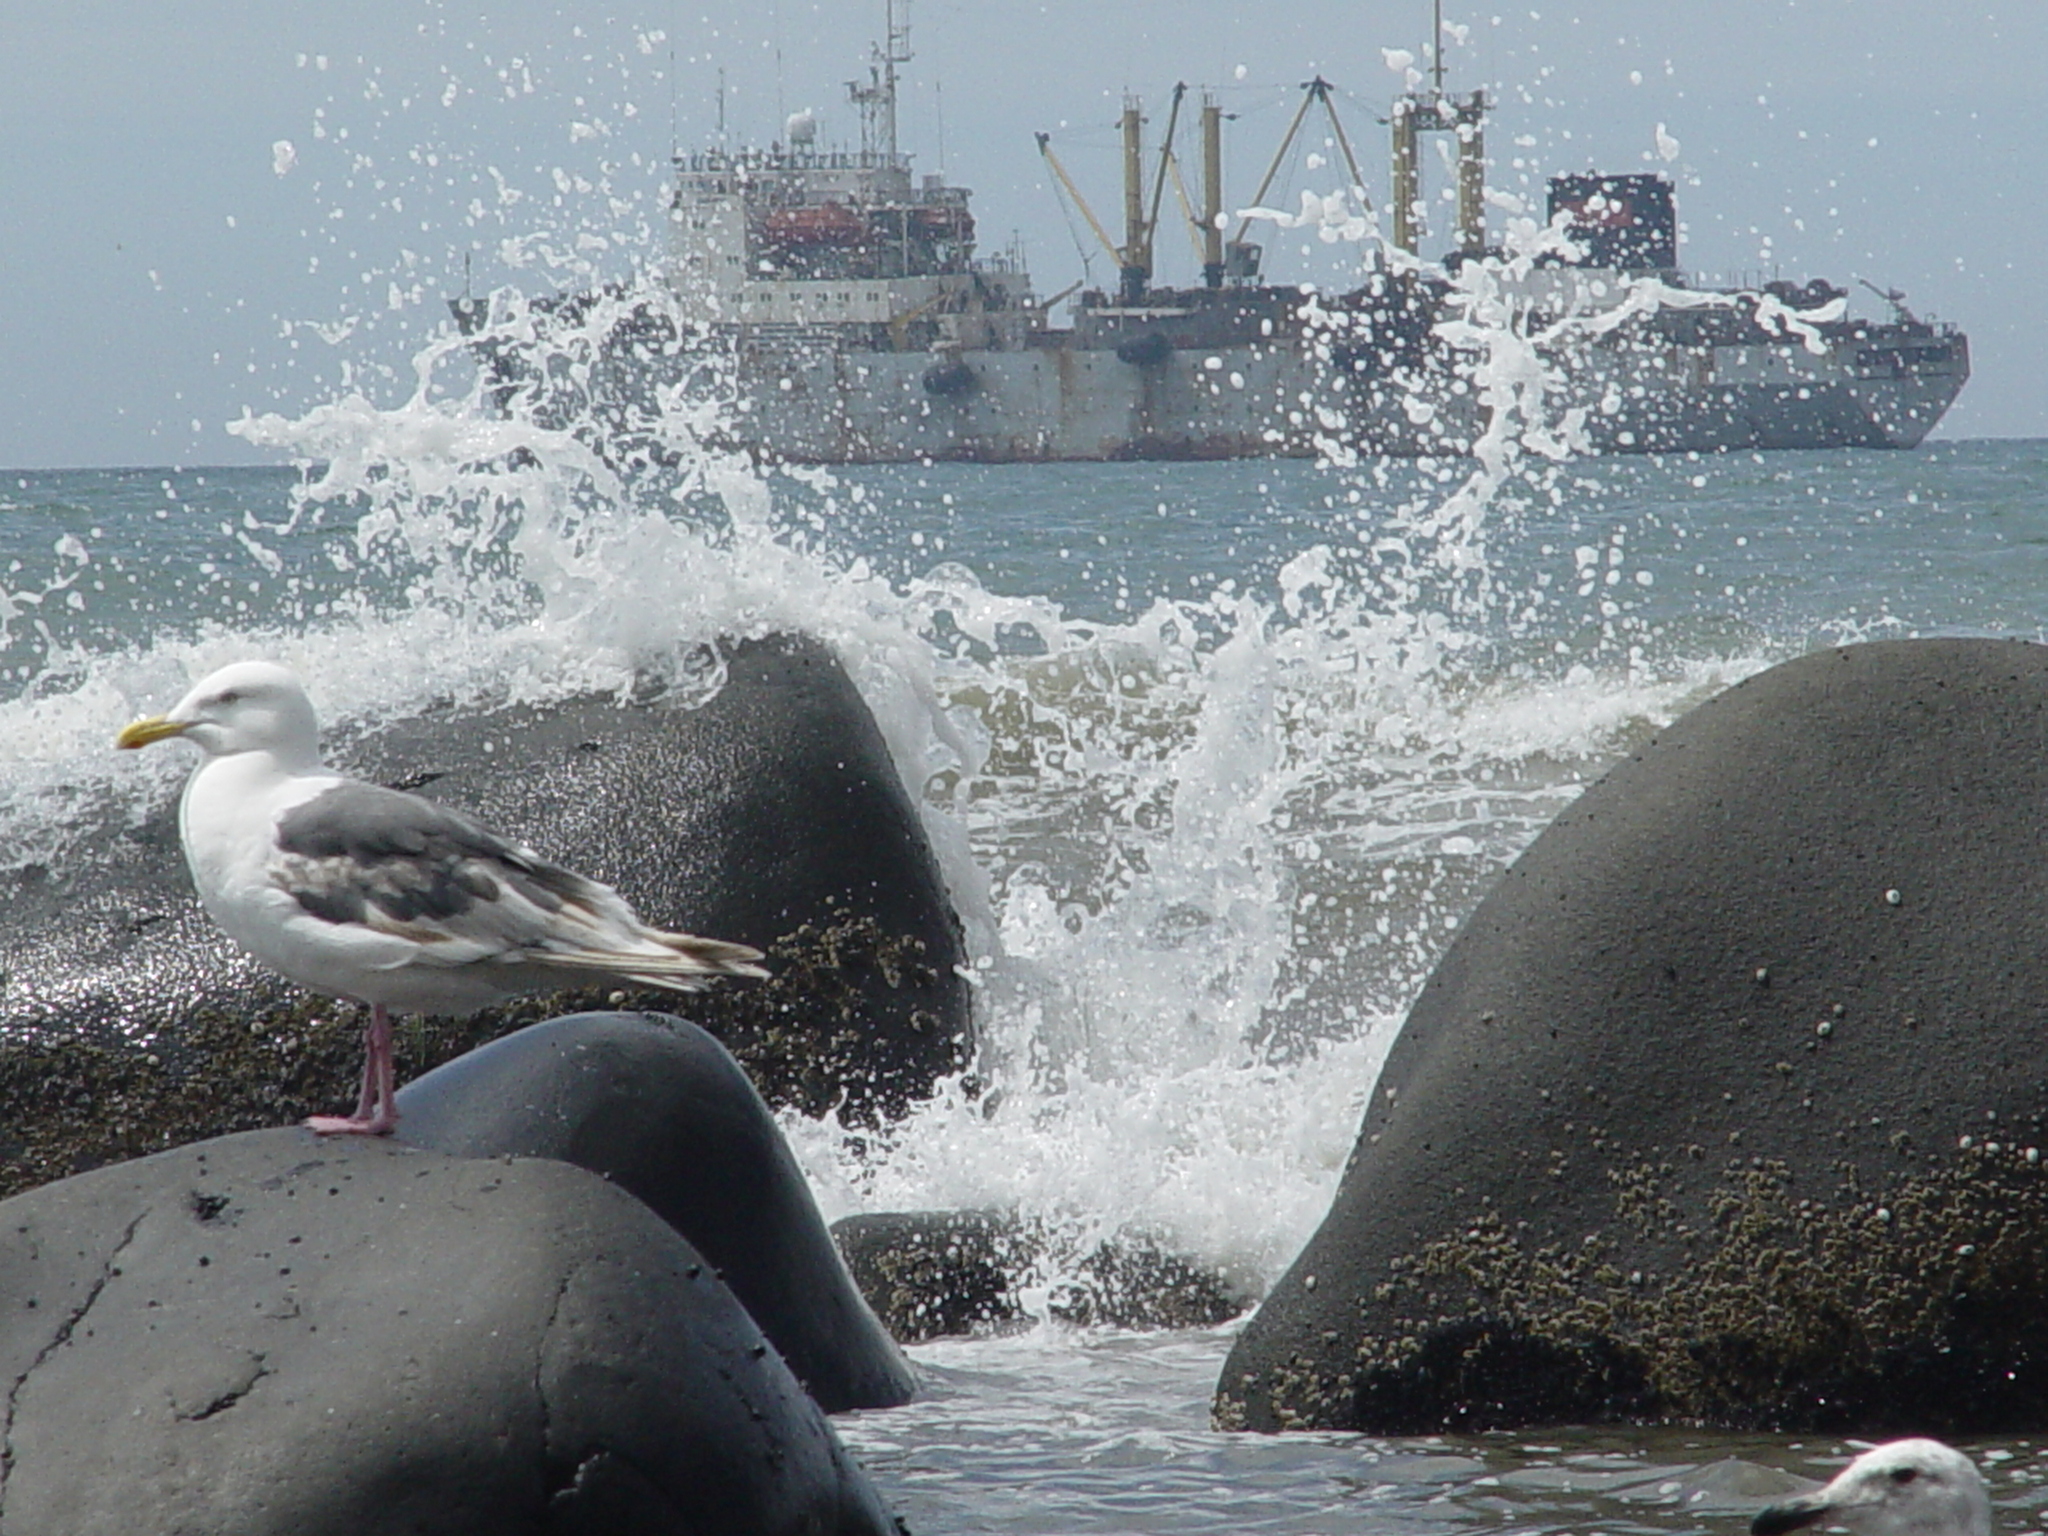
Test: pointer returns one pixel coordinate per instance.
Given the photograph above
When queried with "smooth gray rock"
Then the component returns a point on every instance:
(661, 1109)
(273, 1333)
(1726, 1105)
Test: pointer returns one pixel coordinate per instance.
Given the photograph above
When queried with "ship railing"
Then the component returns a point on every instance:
(789, 333)
(712, 162)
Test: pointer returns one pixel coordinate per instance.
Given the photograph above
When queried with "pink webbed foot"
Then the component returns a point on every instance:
(376, 1112)
(351, 1125)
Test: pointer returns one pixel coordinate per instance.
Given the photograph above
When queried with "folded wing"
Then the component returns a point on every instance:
(381, 860)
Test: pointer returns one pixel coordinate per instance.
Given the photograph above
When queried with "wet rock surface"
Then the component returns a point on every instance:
(1727, 1104)
(273, 1333)
(932, 1274)
(659, 1108)
(771, 815)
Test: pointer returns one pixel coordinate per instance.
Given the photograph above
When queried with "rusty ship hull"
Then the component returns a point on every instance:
(810, 401)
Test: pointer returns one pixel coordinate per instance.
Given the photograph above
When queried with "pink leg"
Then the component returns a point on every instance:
(385, 1116)
(377, 1105)
(366, 1098)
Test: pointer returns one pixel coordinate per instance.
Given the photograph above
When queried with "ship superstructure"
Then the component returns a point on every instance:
(856, 322)
(798, 246)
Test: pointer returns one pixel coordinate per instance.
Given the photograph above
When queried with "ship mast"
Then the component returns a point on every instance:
(877, 99)
(1436, 111)
(1212, 193)
(1134, 263)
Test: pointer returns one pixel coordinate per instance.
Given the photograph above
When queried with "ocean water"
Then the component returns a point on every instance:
(1217, 758)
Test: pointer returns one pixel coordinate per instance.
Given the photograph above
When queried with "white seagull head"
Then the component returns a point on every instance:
(1904, 1488)
(251, 706)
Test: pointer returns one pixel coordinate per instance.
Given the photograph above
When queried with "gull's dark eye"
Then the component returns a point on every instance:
(1904, 1475)
(232, 696)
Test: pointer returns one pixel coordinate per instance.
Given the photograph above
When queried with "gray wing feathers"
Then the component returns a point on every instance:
(383, 859)
(361, 844)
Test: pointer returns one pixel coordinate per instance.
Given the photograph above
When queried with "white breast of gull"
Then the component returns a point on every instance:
(369, 893)
(1904, 1488)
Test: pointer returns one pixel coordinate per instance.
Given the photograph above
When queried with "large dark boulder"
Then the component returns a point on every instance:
(1726, 1104)
(771, 814)
(662, 1110)
(273, 1333)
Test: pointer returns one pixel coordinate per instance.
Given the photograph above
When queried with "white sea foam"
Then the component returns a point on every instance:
(1204, 853)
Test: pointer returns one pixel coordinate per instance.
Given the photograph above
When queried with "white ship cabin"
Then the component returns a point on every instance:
(801, 238)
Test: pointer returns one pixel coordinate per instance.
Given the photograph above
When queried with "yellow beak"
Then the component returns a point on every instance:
(143, 732)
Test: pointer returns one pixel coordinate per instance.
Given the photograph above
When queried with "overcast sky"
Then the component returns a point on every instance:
(215, 205)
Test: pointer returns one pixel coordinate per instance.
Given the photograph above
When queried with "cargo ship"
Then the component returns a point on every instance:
(837, 305)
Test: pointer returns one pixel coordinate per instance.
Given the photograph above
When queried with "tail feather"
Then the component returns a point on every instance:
(689, 965)
(721, 956)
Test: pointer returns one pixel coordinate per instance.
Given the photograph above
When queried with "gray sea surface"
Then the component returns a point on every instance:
(1105, 1432)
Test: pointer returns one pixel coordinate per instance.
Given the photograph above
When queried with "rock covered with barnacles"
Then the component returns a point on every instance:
(1727, 1104)
(771, 814)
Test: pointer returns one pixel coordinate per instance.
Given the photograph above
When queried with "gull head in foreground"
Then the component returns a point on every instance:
(1904, 1488)
(369, 893)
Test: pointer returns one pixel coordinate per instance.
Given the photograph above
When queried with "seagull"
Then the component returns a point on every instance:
(373, 894)
(1904, 1488)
